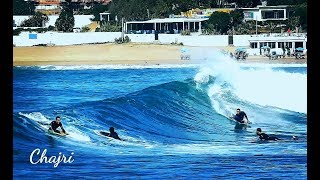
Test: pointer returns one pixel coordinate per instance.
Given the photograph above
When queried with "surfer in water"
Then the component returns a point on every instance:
(240, 115)
(264, 136)
(112, 134)
(55, 124)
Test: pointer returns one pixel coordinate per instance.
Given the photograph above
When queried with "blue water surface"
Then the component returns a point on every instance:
(168, 122)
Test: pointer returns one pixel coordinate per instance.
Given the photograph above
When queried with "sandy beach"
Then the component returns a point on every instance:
(130, 54)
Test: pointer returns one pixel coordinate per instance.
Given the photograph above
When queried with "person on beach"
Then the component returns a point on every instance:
(264, 136)
(55, 124)
(239, 117)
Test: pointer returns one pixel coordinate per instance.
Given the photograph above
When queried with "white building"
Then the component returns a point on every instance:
(293, 41)
(266, 13)
(276, 41)
(165, 25)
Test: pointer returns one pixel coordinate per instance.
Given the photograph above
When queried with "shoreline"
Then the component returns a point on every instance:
(119, 54)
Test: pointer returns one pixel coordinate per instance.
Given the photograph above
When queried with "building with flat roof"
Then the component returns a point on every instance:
(165, 25)
(266, 13)
(293, 41)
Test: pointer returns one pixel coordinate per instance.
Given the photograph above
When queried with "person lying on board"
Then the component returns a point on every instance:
(55, 124)
(240, 115)
(112, 134)
(264, 136)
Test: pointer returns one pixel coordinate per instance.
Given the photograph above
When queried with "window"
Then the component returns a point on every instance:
(263, 44)
(272, 44)
(272, 14)
(281, 45)
(298, 44)
(254, 45)
(289, 44)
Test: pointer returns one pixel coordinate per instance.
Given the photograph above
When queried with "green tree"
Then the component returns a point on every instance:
(110, 26)
(271, 26)
(221, 21)
(236, 17)
(301, 12)
(37, 20)
(285, 2)
(146, 9)
(65, 21)
(203, 3)
(97, 9)
(21, 7)
(293, 22)
(85, 29)
(209, 29)
(244, 28)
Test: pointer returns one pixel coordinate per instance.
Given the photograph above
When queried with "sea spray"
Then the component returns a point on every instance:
(263, 86)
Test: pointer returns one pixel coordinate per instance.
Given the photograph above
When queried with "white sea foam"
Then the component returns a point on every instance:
(262, 86)
(74, 133)
(36, 116)
(264, 65)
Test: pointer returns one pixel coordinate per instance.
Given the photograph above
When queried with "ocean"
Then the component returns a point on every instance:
(173, 119)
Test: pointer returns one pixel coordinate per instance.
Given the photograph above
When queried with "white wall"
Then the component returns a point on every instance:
(204, 40)
(65, 38)
(241, 40)
(100, 37)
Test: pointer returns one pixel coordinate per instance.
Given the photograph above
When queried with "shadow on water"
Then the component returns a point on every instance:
(51, 142)
(240, 127)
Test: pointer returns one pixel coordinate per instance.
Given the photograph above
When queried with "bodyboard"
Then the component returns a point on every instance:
(58, 134)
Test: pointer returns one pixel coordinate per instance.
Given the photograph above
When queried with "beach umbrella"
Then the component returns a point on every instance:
(241, 49)
(183, 50)
(299, 49)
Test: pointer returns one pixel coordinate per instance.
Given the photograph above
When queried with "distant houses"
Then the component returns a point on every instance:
(187, 22)
(51, 7)
(191, 20)
(47, 6)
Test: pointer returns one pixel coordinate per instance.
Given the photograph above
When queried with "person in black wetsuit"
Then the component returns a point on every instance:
(113, 134)
(55, 124)
(240, 115)
(264, 136)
